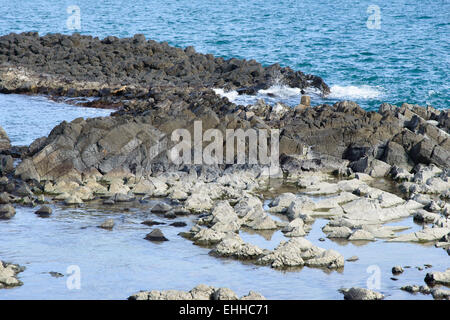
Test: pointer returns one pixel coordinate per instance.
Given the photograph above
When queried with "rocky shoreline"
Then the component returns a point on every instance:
(8, 275)
(336, 152)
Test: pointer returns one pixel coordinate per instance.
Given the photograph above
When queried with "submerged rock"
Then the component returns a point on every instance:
(56, 274)
(161, 207)
(411, 289)
(178, 224)
(328, 259)
(107, 224)
(151, 223)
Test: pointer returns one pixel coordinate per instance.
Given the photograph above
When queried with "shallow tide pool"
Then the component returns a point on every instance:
(115, 264)
(26, 118)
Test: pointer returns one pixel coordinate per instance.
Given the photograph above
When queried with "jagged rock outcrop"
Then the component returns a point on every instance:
(5, 143)
(78, 65)
(370, 140)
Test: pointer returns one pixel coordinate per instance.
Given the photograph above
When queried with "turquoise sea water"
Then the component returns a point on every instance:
(405, 60)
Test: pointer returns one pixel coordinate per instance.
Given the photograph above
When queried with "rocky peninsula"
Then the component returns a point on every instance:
(339, 152)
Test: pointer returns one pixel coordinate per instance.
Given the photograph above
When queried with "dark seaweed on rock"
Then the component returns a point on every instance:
(115, 62)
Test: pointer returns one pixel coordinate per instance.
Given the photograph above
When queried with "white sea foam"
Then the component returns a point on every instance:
(231, 95)
(280, 91)
(354, 92)
(276, 92)
(291, 96)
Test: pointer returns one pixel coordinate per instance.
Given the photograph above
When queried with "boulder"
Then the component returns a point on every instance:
(233, 246)
(197, 203)
(361, 294)
(330, 259)
(8, 275)
(156, 235)
(7, 211)
(44, 211)
(437, 277)
(5, 143)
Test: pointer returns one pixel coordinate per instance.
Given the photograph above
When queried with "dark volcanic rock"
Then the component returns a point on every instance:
(162, 88)
(136, 139)
(44, 211)
(156, 235)
(84, 66)
(152, 223)
(347, 131)
(178, 224)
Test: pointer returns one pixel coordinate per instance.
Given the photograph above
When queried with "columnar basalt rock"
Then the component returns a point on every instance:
(83, 65)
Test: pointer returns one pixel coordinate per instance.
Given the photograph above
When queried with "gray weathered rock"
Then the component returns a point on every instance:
(330, 259)
(7, 211)
(440, 294)
(233, 246)
(361, 294)
(200, 292)
(8, 275)
(437, 277)
(4, 198)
